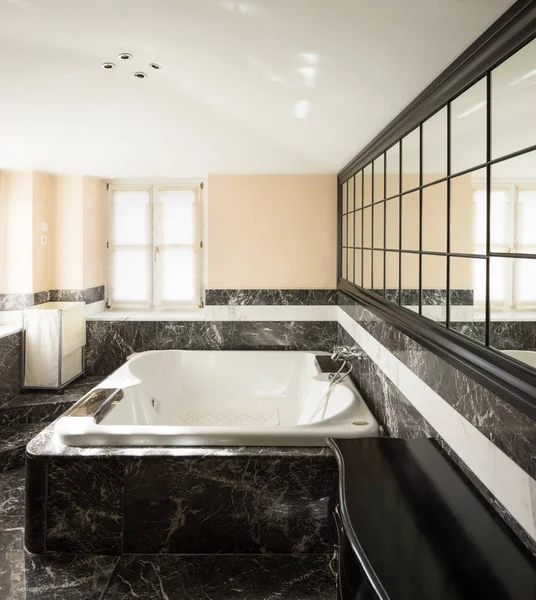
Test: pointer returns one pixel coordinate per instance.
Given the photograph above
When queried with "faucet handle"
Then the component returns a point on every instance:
(346, 352)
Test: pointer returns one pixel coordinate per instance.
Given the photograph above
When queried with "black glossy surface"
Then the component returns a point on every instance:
(422, 530)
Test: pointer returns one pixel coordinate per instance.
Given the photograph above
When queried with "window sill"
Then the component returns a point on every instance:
(149, 315)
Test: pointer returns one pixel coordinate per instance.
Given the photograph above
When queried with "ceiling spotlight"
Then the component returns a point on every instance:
(155, 66)
(125, 56)
(140, 75)
(107, 66)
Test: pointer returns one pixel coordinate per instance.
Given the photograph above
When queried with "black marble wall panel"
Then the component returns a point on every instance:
(20, 301)
(110, 342)
(233, 505)
(10, 376)
(35, 504)
(432, 297)
(509, 429)
(88, 295)
(271, 297)
(85, 506)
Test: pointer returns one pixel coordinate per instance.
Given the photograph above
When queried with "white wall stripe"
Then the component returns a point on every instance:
(514, 488)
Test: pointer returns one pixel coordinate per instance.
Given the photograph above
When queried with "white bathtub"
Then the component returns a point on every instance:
(218, 398)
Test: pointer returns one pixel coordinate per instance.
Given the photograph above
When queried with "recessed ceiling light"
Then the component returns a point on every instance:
(107, 66)
(140, 75)
(155, 66)
(125, 56)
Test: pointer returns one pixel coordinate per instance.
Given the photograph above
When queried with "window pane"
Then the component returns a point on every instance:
(411, 161)
(378, 281)
(434, 287)
(358, 190)
(513, 103)
(468, 213)
(466, 275)
(351, 194)
(434, 151)
(410, 221)
(357, 266)
(130, 276)
(393, 171)
(177, 219)
(410, 281)
(367, 184)
(177, 275)
(526, 220)
(379, 224)
(131, 217)
(434, 217)
(392, 223)
(345, 197)
(392, 263)
(468, 128)
(379, 179)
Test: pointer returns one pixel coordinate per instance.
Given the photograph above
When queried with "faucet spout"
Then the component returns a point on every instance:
(344, 353)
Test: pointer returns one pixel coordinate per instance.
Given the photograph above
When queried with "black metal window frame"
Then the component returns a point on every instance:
(512, 380)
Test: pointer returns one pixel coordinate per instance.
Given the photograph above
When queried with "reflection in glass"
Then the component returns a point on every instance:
(379, 224)
(434, 217)
(513, 305)
(378, 281)
(344, 256)
(434, 287)
(367, 227)
(379, 178)
(411, 160)
(468, 213)
(434, 147)
(359, 190)
(344, 231)
(468, 128)
(351, 184)
(358, 229)
(513, 205)
(358, 279)
(410, 221)
(367, 269)
(410, 281)
(513, 103)
(345, 197)
(392, 229)
(468, 296)
(393, 171)
(367, 185)
(392, 267)
(350, 264)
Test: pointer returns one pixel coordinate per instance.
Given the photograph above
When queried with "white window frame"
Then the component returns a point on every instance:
(510, 301)
(155, 304)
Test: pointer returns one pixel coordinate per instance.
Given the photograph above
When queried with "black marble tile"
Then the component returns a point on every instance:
(10, 377)
(509, 429)
(110, 342)
(222, 578)
(270, 297)
(12, 497)
(513, 335)
(85, 506)
(88, 295)
(11, 538)
(54, 577)
(13, 440)
(35, 504)
(213, 505)
(21, 301)
(40, 406)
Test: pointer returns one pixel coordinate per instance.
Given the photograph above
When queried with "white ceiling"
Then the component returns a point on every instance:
(236, 75)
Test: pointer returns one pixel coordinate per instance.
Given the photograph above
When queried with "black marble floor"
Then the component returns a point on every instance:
(166, 577)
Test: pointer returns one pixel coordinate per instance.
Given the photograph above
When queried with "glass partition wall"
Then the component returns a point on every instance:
(443, 223)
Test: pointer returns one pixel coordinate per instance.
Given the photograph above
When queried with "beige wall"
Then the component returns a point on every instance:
(72, 208)
(17, 232)
(93, 232)
(272, 231)
(434, 234)
(43, 194)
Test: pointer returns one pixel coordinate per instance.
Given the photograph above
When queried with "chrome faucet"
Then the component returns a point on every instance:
(344, 353)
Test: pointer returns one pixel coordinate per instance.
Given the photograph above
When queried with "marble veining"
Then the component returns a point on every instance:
(84, 506)
(230, 505)
(13, 439)
(21, 301)
(270, 297)
(11, 499)
(509, 429)
(41, 406)
(222, 578)
(54, 577)
(88, 295)
(109, 343)
(10, 370)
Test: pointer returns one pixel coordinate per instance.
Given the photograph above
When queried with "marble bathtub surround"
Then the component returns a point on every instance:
(88, 295)
(177, 500)
(270, 297)
(109, 342)
(424, 398)
(21, 301)
(10, 379)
